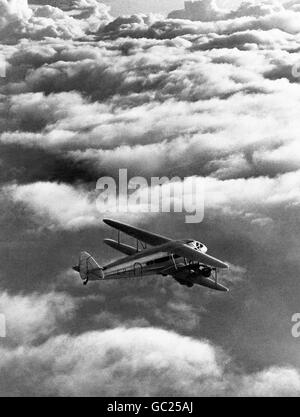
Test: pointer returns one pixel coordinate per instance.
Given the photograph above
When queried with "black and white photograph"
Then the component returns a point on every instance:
(150, 200)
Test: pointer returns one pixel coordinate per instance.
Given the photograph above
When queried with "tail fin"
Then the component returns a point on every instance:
(88, 268)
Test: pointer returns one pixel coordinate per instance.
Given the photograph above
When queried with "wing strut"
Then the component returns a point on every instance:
(174, 262)
(215, 275)
(138, 242)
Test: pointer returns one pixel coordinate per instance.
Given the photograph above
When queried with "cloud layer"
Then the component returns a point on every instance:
(101, 363)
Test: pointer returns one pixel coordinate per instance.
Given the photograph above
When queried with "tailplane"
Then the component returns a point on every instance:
(88, 268)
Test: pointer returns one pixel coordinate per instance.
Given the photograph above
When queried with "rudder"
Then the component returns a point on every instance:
(88, 268)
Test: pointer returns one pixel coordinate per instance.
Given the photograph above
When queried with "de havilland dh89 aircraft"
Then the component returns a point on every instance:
(186, 261)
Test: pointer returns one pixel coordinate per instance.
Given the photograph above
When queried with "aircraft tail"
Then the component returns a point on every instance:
(88, 268)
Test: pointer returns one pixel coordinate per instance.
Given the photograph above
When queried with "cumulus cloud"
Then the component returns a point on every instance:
(277, 382)
(48, 361)
(214, 95)
(18, 20)
(156, 363)
(257, 194)
(56, 205)
(204, 10)
(63, 206)
(32, 318)
(207, 10)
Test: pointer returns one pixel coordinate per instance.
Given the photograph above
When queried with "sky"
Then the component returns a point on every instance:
(85, 94)
(119, 7)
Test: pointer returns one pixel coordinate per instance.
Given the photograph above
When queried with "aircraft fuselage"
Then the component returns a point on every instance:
(150, 262)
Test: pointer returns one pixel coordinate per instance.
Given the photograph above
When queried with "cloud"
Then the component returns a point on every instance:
(20, 21)
(208, 11)
(277, 382)
(62, 206)
(102, 110)
(138, 355)
(204, 10)
(252, 8)
(14, 9)
(65, 121)
(35, 317)
(38, 358)
(156, 363)
(292, 5)
(260, 193)
(57, 205)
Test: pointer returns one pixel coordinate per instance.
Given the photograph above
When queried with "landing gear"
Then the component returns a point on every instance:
(206, 272)
(85, 282)
(186, 284)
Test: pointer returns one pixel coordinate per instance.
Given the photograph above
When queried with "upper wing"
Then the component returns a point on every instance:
(175, 247)
(121, 247)
(181, 249)
(140, 234)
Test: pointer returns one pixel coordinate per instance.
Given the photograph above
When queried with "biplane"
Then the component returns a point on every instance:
(187, 261)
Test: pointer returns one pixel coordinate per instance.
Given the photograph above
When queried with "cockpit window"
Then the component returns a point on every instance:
(196, 245)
